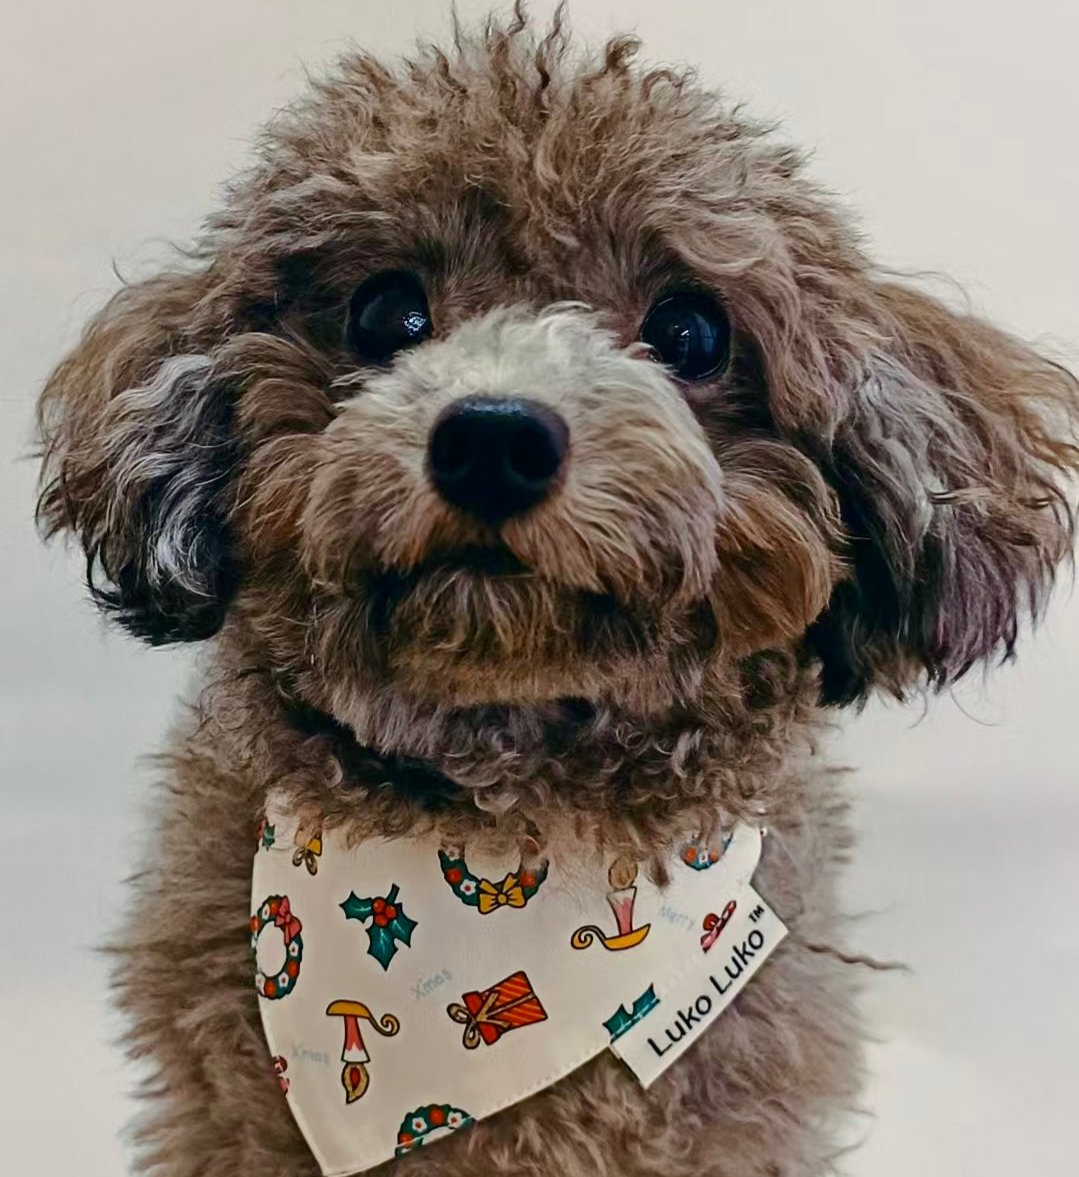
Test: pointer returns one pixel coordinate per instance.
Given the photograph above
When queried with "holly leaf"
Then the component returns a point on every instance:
(356, 908)
(402, 926)
(382, 946)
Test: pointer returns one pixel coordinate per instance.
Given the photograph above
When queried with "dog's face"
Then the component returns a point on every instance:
(504, 380)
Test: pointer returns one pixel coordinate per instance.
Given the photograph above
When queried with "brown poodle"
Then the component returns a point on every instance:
(395, 443)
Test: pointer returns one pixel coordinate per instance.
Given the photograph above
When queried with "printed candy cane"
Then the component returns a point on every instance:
(714, 925)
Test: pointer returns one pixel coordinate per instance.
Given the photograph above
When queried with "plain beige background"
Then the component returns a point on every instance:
(951, 126)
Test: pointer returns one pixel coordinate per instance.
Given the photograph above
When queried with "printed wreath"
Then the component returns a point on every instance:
(276, 910)
(515, 890)
(435, 1117)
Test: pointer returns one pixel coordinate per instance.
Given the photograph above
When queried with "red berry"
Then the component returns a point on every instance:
(527, 879)
(292, 968)
(391, 912)
(270, 989)
(380, 921)
(453, 875)
(437, 1116)
(378, 904)
(690, 854)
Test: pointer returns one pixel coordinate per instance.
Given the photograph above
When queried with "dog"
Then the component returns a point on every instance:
(543, 462)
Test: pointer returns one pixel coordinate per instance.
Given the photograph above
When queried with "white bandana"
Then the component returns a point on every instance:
(408, 989)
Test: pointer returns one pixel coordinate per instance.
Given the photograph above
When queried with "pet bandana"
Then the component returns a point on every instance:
(408, 989)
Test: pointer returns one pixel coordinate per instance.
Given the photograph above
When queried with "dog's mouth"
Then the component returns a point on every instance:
(477, 623)
(495, 561)
(488, 592)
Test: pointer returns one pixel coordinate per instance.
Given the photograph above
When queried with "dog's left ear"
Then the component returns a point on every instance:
(137, 456)
(950, 461)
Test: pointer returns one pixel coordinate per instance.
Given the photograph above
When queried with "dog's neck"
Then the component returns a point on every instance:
(571, 770)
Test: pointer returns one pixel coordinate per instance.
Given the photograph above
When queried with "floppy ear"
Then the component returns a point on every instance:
(950, 465)
(137, 454)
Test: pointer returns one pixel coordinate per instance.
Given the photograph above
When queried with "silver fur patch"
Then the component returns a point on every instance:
(164, 455)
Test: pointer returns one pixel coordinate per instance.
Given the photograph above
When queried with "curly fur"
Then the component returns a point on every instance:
(872, 495)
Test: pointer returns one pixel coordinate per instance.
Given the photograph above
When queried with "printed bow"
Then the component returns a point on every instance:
(286, 921)
(507, 893)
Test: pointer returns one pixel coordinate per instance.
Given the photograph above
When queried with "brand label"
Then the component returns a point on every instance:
(736, 941)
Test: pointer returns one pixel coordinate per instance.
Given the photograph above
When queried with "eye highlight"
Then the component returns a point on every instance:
(387, 313)
(690, 334)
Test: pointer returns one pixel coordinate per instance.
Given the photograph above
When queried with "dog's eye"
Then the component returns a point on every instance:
(387, 313)
(689, 333)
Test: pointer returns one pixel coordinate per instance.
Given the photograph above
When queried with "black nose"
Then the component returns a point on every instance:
(496, 457)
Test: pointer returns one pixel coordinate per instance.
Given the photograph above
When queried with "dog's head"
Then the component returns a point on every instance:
(507, 377)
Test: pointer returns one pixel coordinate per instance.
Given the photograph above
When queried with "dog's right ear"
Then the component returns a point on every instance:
(137, 455)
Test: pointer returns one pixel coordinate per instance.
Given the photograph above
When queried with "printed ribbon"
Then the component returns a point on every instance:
(492, 895)
(473, 1021)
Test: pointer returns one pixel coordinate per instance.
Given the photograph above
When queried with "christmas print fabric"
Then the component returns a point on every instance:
(408, 988)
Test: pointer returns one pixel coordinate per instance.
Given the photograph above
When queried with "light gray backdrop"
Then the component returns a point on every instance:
(951, 126)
